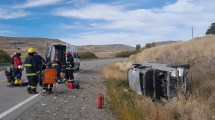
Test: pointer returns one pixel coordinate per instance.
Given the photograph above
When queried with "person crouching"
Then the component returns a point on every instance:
(9, 75)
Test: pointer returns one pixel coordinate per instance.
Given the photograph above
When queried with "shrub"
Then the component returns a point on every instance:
(211, 29)
(4, 57)
(138, 47)
(149, 45)
(126, 53)
(87, 55)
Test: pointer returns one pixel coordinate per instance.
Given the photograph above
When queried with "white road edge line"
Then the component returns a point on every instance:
(17, 106)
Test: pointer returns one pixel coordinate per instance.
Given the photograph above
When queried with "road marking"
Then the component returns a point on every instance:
(2, 81)
(17, 106)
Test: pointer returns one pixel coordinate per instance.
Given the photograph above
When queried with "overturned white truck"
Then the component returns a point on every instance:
(158, 80)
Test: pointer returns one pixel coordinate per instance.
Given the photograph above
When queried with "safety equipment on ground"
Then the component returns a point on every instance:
(100, 101)
(76, 84)
(31, 50)
(62, 75)
(68, 53)
(70, 84)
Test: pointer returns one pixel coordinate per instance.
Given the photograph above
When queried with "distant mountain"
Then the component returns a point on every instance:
(12, 44)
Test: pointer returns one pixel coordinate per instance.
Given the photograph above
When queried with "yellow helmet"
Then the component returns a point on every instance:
(31, 50)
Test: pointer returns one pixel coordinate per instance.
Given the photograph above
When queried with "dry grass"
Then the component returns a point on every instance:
(105, 54)
(199, 103)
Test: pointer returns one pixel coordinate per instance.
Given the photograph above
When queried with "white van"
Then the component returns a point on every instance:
(58, 51)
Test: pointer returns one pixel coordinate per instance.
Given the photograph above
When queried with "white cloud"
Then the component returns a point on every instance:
(95, 11)
(4, 32)
(11, 13)
(37, 3)
(170, 22)
(97, 38)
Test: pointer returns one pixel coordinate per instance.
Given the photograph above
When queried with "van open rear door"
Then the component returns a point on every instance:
(56, 51)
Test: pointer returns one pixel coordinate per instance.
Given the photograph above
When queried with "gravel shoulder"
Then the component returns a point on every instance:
(75, 104)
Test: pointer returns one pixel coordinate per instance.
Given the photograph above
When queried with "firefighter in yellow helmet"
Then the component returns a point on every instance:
(31, 71)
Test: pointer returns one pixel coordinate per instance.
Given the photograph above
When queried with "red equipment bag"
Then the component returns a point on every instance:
(70, 84)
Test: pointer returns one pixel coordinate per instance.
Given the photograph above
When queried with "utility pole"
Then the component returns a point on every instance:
(192, 30)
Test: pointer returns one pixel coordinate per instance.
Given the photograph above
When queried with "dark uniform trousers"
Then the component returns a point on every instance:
(69, 74)
(32, 83)
(31, 73)
(69, 66)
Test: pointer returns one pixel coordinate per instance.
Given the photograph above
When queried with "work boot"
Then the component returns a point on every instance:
(29, 90)
(34, 91)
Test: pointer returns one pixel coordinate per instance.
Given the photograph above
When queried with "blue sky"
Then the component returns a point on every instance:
(98, 22)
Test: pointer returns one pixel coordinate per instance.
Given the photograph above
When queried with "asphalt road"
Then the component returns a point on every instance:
(15, 103)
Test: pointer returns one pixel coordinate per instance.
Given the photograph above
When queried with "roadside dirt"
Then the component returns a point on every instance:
(73, 104)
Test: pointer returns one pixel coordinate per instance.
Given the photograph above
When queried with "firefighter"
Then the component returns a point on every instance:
(69, 66)
(31, 71)
(17, 65)
(9, 75)
(40, 63)
(56, 66)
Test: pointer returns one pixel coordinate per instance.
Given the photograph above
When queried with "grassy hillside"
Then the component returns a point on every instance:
(104, 51)
(198, 104)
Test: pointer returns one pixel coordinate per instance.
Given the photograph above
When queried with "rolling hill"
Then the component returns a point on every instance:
(12, 44)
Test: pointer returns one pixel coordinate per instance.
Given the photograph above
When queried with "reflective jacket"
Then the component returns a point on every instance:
(31, 66)
(40, 59)
(55, 65)
(69, 62)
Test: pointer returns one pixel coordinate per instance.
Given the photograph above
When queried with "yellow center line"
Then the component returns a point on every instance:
(2, 81)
